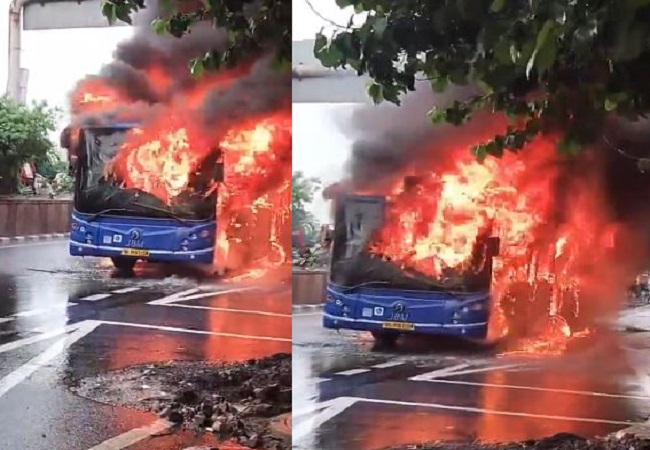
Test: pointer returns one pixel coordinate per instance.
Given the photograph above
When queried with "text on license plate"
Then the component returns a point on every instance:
(399, 326)
(135, 252)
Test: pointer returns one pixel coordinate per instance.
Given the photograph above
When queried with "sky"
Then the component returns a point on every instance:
(319, 148)
(57, 59)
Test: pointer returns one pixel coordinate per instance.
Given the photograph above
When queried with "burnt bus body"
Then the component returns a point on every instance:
(128, 224)
(369, 293)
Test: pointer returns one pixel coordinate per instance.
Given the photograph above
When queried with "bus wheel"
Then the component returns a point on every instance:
(125, 265)
(385, 339)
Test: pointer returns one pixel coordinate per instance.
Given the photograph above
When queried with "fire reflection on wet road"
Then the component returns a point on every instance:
(349, 397)
(63, 319)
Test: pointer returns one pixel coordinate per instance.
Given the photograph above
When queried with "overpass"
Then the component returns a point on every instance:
(313, 83)
(45, 15)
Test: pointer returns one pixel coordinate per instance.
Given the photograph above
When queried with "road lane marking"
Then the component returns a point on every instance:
(95, 297)
(133, 436)
(195, 294)
(491, 411)
(14, 345)
(186, 330)
(350, 372)
(458, 370)
(445, 371)
(388, 364)
(328, 410)
(126, 290)
(26, 370)
(36, 312)
(238, 311)
(7, 319)
(541, 389)
(33, 244)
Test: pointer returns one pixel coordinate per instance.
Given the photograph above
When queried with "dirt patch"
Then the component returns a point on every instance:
(239, 401)
(562, 441)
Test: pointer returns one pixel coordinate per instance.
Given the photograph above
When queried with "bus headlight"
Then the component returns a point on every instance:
(89, 238)
(193, 236)
(185, 242)
(205, 234)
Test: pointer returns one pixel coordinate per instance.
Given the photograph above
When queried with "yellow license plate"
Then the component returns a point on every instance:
(399, 326)
(134, 252)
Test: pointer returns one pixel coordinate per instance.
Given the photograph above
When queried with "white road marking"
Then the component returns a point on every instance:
(134, 436)
(25, 371)
(387, 365)
(491, 411)
(14, 345)
(7, 319)
(347, 373)
(238, 311)
(33, 244)
(458, 370)
(195, 294)
(186, 330)
(541, 389)
(439, 373)
(329, 410)
(95, 297)
(36, 312)
(126, 290)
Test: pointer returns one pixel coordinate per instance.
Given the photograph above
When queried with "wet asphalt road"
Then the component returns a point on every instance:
(63, 318)
(351, 396)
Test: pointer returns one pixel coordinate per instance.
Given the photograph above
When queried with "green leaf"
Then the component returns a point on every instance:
(545, 38)
(160, 26)
(498, 5)
(319, 44)
(376, 93)
(440, 84)
(109, 10)
(331, 56)
(437, 116)
(480, 152)
(197, 67)
(380, 26)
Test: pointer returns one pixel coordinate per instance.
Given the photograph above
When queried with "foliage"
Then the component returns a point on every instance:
(24, 136)
(50, 165)
(253, 26)
(551, 65)
(303, 190)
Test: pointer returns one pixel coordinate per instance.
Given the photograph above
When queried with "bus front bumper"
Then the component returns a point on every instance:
(202, 256)
(465, 330)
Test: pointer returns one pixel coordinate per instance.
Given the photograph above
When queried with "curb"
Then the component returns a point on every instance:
(32, 238)
(307, 307)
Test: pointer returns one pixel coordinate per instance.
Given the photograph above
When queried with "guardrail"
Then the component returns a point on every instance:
(32, 216)
(308, 286)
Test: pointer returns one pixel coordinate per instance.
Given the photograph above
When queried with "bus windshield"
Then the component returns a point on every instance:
(358, 222)
(95, 193)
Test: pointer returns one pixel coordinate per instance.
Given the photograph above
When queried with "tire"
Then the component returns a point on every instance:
(124, 265)
(385, 339)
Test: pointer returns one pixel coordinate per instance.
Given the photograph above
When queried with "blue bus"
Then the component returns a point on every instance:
(367, 293)
(127, 225)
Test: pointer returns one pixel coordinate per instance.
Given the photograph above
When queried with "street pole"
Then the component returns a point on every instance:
(15, 48)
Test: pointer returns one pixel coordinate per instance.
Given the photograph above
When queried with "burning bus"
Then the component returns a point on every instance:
(473, 249)
(369, 291)
(172, 223)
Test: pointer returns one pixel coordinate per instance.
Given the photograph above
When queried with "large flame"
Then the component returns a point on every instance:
(172, 140)
(436, 216)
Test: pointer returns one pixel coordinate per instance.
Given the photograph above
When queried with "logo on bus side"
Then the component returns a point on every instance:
(399, 312)
(136, 239)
